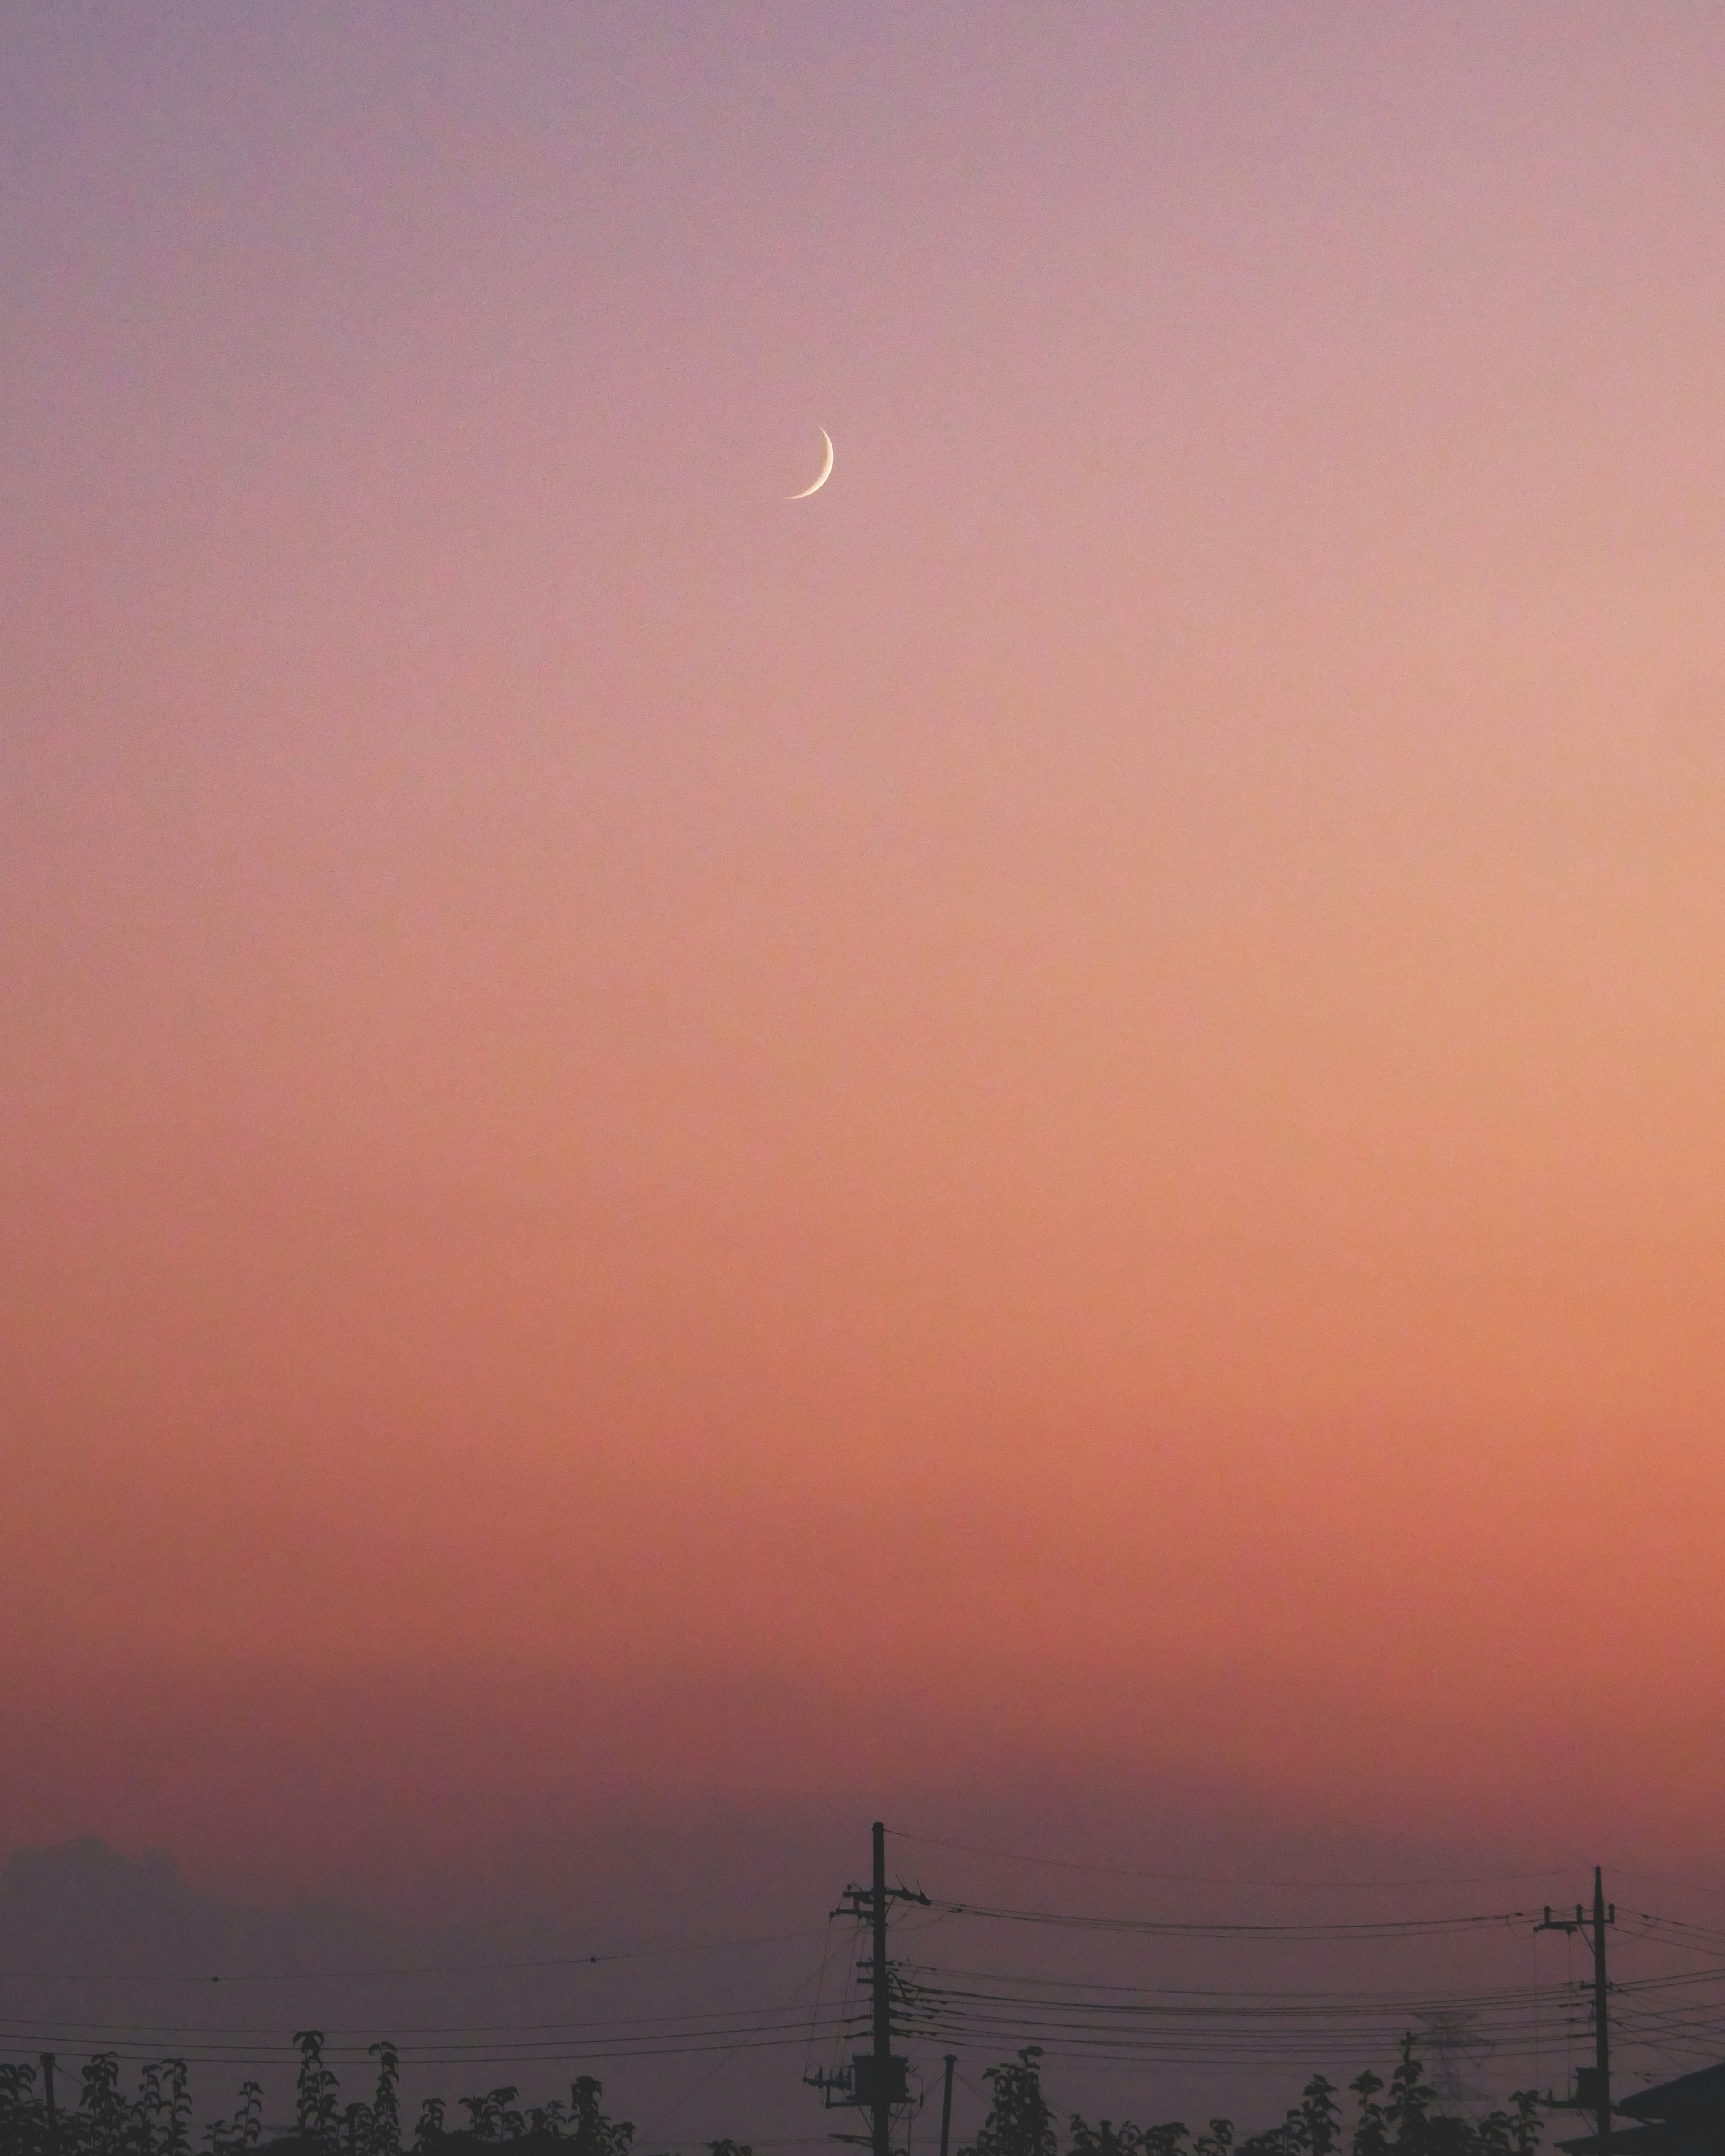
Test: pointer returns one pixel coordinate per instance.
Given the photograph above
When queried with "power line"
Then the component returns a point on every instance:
(1386, 1927)
(1671, 2014)
(702, 2079)
(1202, 1879)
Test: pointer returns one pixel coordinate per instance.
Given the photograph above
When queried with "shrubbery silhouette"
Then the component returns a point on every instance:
(1020, 2122)
(158, 2120)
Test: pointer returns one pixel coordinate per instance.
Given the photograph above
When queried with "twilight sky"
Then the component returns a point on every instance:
(1049, 1123)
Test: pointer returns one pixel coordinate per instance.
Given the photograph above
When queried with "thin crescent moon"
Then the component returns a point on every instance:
(826, 471)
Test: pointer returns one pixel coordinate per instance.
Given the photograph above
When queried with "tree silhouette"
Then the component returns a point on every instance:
(1320, 2117)
(23, 2117)
(1019, 2123)
(157, 2121)
(1311, 2129)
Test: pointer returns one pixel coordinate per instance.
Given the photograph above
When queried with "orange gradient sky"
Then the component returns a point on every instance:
(1059, 1110)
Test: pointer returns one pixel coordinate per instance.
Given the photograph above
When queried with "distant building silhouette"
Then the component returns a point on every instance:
(1680, 2117)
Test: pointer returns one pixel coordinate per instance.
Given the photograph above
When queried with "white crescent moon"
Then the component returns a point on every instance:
(826, 471)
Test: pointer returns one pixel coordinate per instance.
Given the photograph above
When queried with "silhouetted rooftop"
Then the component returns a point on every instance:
(1680, 2117)
(1698, 2096)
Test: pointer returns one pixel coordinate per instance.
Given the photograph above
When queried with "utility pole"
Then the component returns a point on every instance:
(1602, 2031)
(874, 2081)
(883, 2004)
(1593, 2088)
(946, 2106)
(54, 2116)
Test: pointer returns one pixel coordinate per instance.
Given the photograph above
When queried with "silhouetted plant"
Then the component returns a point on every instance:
(146, 2105)
(227, 2137)
(1410, 2105)
(1370, 2138)
(103, 2112)
(494, 2116)
(160, 2121)
(1321, 2116)
(1126, 2140)
(384, 2137)
(1019, 2123)
(314, 2113)
(590, 2132)
(1311, 2129)
(23, 2115)
(175, 2110)
(1511, 2132)
(1105, 2138)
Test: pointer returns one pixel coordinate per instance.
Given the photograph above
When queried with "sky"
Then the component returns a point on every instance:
(1033, 1145)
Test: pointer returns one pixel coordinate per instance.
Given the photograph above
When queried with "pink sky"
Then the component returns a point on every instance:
(1057, 1111)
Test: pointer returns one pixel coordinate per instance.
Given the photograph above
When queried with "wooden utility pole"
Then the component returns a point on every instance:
(874, 2081)
(54, 2116)
(1602, 2039)
(883, 2006)
(946, 2106)
(1593, 2085)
